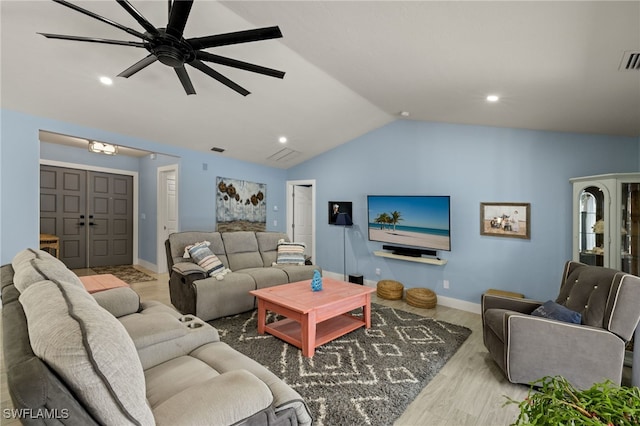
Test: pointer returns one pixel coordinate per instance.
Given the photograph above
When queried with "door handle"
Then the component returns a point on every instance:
(91, 224)
(81, 223)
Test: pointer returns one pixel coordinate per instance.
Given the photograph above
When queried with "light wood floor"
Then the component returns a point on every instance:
(467, 391)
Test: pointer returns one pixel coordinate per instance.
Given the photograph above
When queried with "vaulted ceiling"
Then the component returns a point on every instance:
(350, 67)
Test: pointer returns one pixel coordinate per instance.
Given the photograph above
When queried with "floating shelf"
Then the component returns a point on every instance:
(429, 260)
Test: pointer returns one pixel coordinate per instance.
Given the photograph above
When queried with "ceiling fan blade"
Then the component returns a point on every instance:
(141, 64)
(185, 80)
(235, 37)
(221, 78)
(178, 18)
(105, 20)
(138, 17)
(210, 57)
(93, 40)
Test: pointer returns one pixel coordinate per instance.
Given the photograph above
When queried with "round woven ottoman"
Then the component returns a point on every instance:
(421, 298)
(389, 289)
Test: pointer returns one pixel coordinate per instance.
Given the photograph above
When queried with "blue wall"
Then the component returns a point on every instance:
(472, 164)
(19, 181)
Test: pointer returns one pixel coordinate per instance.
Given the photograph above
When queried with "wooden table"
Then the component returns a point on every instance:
(313, 318)
(101, 282)
(50, 241)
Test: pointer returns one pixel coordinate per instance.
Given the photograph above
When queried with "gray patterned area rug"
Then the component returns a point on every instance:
(367, 377)
(126, 273)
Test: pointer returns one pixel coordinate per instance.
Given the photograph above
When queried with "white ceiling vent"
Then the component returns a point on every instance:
(630, 61)
(285, 154)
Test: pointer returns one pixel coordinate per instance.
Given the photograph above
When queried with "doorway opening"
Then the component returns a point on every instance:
(301, 214)
(167, 210)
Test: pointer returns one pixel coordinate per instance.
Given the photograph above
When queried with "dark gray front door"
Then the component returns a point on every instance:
(63, 204)
(110, 219)
(91, 212)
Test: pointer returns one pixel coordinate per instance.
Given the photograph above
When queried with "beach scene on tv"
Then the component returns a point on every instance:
(412, 220)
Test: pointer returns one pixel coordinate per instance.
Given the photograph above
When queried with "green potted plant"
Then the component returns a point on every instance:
(554, 401)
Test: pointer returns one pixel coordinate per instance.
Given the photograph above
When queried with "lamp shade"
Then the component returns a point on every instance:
(344, 219)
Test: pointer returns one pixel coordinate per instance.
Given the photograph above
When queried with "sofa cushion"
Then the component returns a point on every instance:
(553, 310)
(204, 257)
(242, 250)
(179, 240)
(268, 245)
(290, 253)
(42, 268)
(89, 349)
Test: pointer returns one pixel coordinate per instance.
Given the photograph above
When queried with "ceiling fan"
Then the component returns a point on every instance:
(168, 46)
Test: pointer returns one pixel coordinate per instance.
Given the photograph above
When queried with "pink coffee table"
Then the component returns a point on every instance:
(96, 283)
(313, 318)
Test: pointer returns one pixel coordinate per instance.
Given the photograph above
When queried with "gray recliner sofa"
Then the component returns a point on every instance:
(528, 348)
(249, 255)
(109, 359)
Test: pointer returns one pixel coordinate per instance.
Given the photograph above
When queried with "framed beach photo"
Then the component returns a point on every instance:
(337, 207)
(512, 220)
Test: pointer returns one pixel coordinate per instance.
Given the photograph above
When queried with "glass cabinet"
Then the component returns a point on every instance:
(606, 224)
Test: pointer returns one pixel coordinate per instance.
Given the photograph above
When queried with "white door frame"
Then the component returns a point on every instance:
(107, 170)
(161, 195)
(290, 185)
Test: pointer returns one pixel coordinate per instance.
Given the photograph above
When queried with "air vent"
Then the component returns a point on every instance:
(216, 149)
(285, 154)
(630, 61)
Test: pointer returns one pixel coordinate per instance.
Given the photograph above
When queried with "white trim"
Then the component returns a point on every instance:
(107, 170)
(289, 201)
(147, 265)
(449, 302)
(160, 251)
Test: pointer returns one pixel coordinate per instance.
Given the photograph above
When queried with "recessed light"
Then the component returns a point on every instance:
(106, 81)
(282, 139)
(493, 98)
(405, 113)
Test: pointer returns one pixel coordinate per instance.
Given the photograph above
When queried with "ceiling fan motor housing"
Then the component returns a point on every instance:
(169, 50)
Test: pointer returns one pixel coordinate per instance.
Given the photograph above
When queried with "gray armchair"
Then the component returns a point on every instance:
(528, 347)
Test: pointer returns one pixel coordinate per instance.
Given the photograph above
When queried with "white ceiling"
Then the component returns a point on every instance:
(350, 67)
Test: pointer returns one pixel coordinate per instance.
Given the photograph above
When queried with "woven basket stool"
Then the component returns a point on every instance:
(422, 298)
(389, 289)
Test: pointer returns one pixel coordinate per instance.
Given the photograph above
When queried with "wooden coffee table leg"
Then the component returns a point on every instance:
(308, 331)
(262, 316)
(366, 311)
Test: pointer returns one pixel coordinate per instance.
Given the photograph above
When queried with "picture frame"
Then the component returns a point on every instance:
(336, 207)
(511, 220)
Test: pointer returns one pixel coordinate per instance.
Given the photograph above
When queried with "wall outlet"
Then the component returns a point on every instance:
(446, 283)
(377, 271)
(275, 222)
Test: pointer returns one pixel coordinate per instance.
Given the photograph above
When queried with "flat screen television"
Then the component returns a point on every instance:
(420, 221)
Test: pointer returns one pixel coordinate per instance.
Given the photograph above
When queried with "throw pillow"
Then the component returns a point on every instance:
(553, 310)
(290, 253)
(203, 256)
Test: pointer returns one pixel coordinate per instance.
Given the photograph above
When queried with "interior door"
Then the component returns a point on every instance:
(302, 216)
(110, 219)
(167, 211)
(63, 212)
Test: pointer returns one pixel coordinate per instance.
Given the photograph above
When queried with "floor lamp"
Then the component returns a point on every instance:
(344, 220)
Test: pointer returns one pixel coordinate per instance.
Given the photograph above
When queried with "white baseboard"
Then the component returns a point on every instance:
(148, 265)
(449, 302)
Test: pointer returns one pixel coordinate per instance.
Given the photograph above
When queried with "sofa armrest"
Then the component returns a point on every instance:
(118, 301)
(525, 306)
(189, 268)
(226, 399)
(584, 354)
(160, 337)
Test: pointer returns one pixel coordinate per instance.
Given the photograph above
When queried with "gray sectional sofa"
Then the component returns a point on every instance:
(249, 255)
(80, 359)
